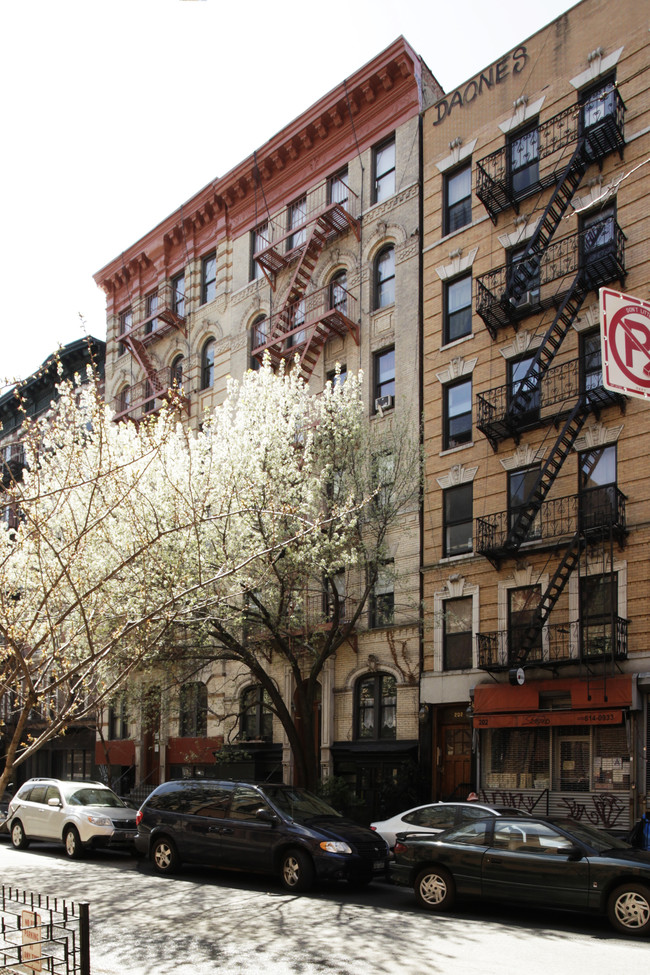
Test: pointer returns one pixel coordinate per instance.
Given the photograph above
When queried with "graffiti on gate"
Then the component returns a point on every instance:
(516, 800)
(603, 810)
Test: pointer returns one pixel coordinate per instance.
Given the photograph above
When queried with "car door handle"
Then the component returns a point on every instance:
(494, 860)
(227, 830)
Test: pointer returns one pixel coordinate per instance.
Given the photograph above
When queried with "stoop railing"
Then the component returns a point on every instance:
(42, 934)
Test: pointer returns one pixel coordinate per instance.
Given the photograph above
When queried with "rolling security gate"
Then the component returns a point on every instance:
(40, 934)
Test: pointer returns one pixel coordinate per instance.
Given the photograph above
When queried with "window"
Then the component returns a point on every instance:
(207, 364)
(457, 634)
(149, 398)
(376, 707)
(457, 414)
(520, 487)
(523, 603)
(382, 598)
(572, 761)
(259, 334)
(458, 514)
(598, 236)
(260, 239)
(523, 156)
(338, 295)
(255, 717)
(125, 324)
(597, 487)
(517, 371)
(297, 216)
(383, 478)
(458, 309)
(193, 710)
(384, 278)
(384, 363)
(591, 360)
(176, 377)
(384, 171)
(118, 723)
(334, 595)
(597, 102)
(296, 320)
(337, 376)
(530, 296)
(151, 307)
(208, 278)
(178, 294)
(124, 400)
(599, 614)
(338, 190)
(458, 199)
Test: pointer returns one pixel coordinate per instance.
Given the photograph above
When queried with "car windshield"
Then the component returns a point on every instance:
(596, 838)
(93, 796)
(299, 804)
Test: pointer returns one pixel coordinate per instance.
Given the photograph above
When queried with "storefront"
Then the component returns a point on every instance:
(560, 747)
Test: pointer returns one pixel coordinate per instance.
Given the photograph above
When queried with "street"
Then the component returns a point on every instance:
(203, 921)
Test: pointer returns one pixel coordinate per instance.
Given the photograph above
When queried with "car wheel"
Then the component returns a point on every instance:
(164, 856)
(296, 871)
(18, 837)
(434, 888)
(72, 843)
(628, 909)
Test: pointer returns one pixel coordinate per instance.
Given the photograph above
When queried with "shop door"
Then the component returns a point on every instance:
(456, 747)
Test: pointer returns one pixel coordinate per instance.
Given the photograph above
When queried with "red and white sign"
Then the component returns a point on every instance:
(625, 337)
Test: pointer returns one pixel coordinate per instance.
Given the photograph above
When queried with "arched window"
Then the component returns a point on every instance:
(338, 292)
(176, 376)
(376, 707)
(259, 333)
(385, 277)
(207, 364)
(124, 399)
(255, 715)
(193, 710)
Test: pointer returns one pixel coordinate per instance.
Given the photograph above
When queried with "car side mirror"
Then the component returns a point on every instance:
(574, 852)
(266, 816)
(54, 802)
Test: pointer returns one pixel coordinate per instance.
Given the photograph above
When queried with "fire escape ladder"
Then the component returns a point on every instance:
(529, 386)
(548, 601)
(528, 266)
(561, 449)
(139, 353)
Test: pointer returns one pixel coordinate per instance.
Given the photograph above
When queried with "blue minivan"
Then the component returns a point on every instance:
(273, 829)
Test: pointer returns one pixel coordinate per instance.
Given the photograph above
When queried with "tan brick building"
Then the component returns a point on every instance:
(537, 509)
(309, 246)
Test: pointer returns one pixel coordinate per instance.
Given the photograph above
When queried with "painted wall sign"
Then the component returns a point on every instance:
(496, 74)
(548, 719)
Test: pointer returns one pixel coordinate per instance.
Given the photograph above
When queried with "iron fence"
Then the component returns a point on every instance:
(42, 934)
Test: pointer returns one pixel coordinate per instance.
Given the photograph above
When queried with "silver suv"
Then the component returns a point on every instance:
(77, 814)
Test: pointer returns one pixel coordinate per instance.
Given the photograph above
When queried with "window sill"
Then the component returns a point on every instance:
(452, 345)
(454, 450)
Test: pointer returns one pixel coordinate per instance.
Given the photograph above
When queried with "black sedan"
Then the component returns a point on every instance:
(539, 862)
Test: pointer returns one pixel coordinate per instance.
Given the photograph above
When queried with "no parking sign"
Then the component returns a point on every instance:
(625, 337)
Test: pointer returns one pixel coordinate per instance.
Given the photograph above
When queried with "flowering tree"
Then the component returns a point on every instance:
(130, 536)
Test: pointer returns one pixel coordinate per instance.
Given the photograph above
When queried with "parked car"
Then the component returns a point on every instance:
(271, 829)
(535, 861)
(5, 799)
(438, 816)
(77, 814)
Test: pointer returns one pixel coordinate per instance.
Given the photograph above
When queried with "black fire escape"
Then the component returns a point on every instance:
(554, 275)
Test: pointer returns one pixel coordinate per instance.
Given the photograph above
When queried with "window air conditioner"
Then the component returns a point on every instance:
(384, 403)
(527, 300)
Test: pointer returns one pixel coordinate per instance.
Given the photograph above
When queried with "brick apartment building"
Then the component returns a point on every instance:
(310, 246)
(536, 517)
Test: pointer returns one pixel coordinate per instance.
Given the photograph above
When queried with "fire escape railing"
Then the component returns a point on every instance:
(595, 511)
(561, 642)
(562, 258)
(304, 324)
(494, 183)
(554, 397)
(147, 396)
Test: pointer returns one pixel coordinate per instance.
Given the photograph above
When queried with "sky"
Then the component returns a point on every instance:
(117, 111)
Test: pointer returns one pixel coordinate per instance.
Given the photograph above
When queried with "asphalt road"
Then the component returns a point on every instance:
(205, 921)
